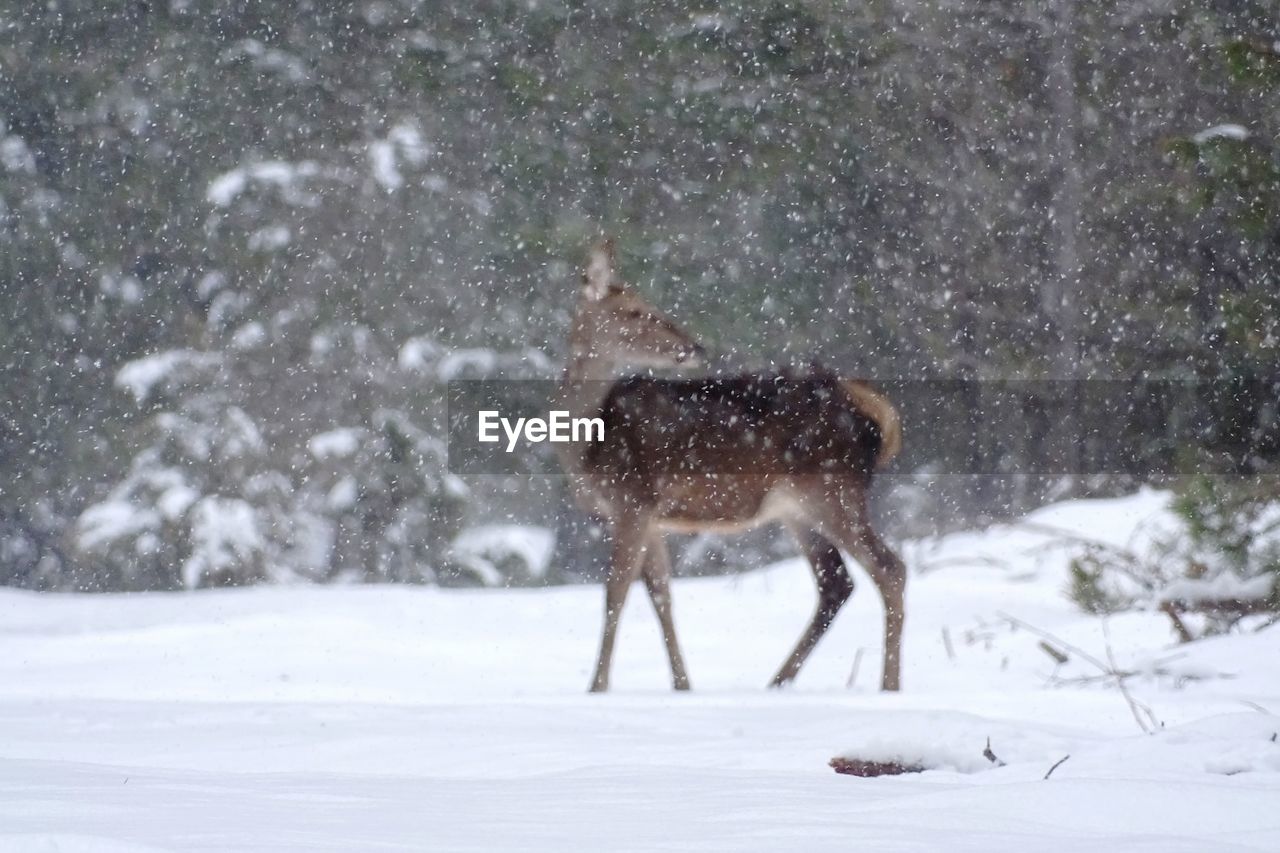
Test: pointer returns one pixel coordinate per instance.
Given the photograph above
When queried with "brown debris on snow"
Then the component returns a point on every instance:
(869, 769)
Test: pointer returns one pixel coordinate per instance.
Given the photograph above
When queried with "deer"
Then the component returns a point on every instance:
(720, 454)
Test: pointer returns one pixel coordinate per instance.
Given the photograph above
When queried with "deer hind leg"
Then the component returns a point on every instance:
(629, 540)
(657, 579)
(834, 588)
(844, 517)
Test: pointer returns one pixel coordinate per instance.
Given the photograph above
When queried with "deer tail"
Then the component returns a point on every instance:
(881, 412)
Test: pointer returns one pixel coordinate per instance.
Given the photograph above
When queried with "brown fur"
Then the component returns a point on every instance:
(877, 407)
(721, 454)
(771, 424)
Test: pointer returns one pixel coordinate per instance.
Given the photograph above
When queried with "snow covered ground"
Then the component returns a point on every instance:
(369, 719)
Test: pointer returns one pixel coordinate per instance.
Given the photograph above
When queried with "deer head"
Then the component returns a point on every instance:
(614, 327)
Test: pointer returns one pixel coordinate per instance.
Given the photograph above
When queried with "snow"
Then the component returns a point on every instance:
(224, 188)
(285, 176)
(338, 443)
(1221, 131)
(344, 494)
(481, 361)
(494, 542)
(140, 376)
(382, 161)
(403, 141)
(15, 156)
(477, 362)
(110, 520)
(1222, 587)
(408, 718)
(126, 288)
(224, 533)
(175, 500)
(417, 353)
(270, 239)
(269, 60)
(707, 23)
(249, 335)
(1226, 744)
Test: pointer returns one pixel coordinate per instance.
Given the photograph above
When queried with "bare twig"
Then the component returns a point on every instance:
(1156, 671)
(926, 566)
(1059, 656)
(853, 673)
(1228, 606)
(991, 756)
(1142, 713)
(1136, 708)
(1062, 536)
(1058, 641)
(1171, 610)
(1080, 680)
(1056, 766)
(1156, 667)
(1124, 558)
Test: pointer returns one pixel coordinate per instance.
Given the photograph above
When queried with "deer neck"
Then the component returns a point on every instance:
(584, 385)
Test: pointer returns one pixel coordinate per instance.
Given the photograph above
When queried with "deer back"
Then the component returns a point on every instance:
(763, 425)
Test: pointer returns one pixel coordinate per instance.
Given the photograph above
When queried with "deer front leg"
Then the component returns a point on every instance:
(628, 555)
(657, 579)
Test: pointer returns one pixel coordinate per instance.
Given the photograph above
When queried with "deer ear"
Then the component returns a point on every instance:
(600, 268)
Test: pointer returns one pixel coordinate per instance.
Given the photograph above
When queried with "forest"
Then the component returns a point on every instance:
(246, 246)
